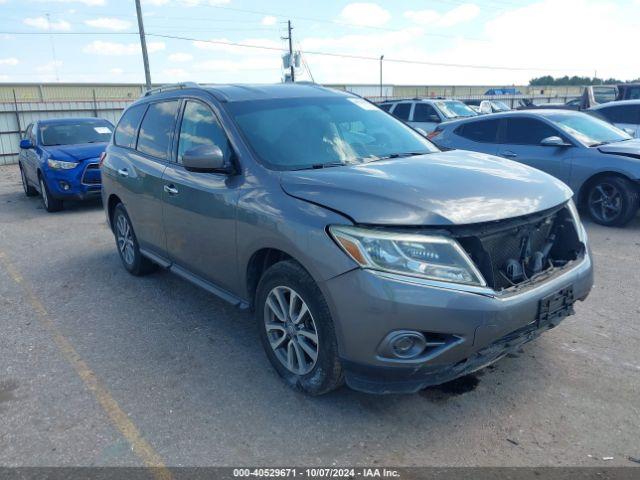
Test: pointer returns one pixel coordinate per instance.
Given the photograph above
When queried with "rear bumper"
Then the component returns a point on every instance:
(367, 306)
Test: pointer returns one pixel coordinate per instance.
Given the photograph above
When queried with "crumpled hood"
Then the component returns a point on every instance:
(76, 153)
(448, 188)
(628, 147)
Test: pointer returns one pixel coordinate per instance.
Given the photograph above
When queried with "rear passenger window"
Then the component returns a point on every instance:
(200, 127)
(621, 113)
(423, 112)
(125, 135)
(528, 131)
(483, 131)
(402, 111)
(156, 129)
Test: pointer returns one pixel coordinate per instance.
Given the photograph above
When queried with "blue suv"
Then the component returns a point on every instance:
(59, 159)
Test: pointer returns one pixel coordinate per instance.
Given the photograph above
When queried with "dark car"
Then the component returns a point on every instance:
(59, 159)
(600, 162)
(366, 254)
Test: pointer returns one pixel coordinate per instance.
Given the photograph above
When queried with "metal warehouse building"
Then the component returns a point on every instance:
(23, 103)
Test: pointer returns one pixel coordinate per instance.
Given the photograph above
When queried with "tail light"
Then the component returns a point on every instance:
(434, 134)
(103, 155)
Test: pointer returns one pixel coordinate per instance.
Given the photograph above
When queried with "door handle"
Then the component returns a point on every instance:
(171, 189)
(509, 154)
(123, 172)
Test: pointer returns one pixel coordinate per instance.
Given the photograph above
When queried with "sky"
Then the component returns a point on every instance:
(427, 42)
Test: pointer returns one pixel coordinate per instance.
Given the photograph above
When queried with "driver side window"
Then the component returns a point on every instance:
(201, 127)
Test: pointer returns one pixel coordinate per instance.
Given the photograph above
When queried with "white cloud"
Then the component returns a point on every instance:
(116, 71)
(155, 3)
(364, 14)
(11, 61)
(180, 57)
(460, 14)
(43, 23)
(195, 3)
(109, 23)
(271, 20)
(99, 47)
(175, 75)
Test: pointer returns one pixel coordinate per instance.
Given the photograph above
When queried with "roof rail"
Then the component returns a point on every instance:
(170, 86)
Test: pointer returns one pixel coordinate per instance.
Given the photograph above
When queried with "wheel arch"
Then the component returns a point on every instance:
(259, 262)
(582, 194)
(112, 202)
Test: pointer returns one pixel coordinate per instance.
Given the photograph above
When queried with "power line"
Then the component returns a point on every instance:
(357, 57)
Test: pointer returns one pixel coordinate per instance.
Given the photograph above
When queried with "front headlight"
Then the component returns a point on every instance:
(426, 256)
(60, 165)
(575, 216)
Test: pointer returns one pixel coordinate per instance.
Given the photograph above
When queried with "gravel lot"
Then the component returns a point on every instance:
(101, 368)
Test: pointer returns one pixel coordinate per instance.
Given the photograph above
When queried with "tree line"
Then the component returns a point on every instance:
(575, 80)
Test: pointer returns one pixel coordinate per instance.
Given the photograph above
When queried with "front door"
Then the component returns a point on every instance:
(199, 209)
(521, 142)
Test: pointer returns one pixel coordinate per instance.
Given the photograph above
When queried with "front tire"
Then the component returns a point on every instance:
(296, 329)
(29, 191)
(128, 249)
(612, 201)
(49, 203)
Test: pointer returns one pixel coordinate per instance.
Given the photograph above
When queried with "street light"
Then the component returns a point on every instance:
(381, 58)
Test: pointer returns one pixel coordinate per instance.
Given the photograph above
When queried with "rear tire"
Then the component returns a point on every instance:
(49, 203)
(29, 191)
(612, 201)
(127, 243)
(299, 339)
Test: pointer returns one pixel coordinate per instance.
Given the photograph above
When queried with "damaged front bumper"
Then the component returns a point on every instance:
(483, 328)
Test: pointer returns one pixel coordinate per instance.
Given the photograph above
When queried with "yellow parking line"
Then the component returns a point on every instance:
(139, 445)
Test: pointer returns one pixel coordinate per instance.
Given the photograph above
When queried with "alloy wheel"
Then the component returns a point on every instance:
(124, 238)
(605, 202)
(291, 330)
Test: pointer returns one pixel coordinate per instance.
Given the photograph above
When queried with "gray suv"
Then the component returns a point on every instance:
(367, 255)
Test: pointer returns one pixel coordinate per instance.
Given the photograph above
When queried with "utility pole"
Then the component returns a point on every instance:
(381, 58)
(291, 62)
(143, 44)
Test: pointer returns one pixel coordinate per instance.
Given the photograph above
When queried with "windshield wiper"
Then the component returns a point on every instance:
(318, 166)
(398, 155)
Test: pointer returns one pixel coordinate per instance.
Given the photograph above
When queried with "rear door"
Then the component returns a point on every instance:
(199, 209)
(425, 117)
(139, 167)
(626, 117)
(402, 110)
(520, 141)
(476, 136)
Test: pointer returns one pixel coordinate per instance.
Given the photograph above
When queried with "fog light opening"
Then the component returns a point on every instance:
(408, 344)
(64, 185)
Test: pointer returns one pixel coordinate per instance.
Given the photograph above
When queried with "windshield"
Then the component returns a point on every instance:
(75, 133)
(300, 133)
(588, 130)
(455, 109)
(499, 106)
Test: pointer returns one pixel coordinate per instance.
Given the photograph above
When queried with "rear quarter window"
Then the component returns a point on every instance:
(125, 135)
(485, 131)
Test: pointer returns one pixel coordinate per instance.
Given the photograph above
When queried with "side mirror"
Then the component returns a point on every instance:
(629, 131)
(26, 144)
(554, 142)
(205, 158)
(434, 118)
